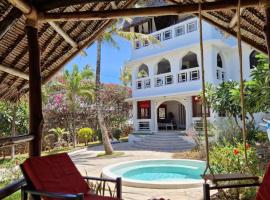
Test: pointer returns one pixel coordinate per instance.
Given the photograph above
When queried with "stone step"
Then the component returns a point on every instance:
(163, 143)
(165, 148)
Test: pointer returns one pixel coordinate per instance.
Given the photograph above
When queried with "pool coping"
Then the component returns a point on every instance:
(106, 173)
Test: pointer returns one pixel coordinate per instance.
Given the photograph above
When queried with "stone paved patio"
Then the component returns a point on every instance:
(89, 164)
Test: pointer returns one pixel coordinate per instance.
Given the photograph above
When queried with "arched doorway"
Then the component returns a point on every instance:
(171, 115)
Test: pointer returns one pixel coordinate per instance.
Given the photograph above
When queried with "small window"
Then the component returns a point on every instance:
(189, 61)
(194, 75)
(191, 26)
(167, 35)
(182, 77)
(145, 43)
(219, 61)
(147, 83)
(169, 80)
(144, 109)
(137, 45)
(162, 113)
(139, 85)
(158, 37)
(180, 30)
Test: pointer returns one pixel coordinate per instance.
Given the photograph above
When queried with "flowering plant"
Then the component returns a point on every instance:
(230, 158)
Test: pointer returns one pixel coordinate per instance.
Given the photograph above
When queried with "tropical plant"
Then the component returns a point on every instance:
(76, 84)
(86, 134)
(220, 99)
(109, 37)
(125, 76)
(59, 132)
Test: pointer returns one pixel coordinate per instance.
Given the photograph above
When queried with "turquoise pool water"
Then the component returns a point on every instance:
(157, 171)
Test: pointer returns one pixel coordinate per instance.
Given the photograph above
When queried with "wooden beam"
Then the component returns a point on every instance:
(66, 37)
(234, 19)
(103, 26)
(9, 141)
(9, 21)
(14, 72)
(35, 100)
(150, 11)
(49, 4)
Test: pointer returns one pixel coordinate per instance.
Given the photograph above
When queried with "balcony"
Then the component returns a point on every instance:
(167, 79)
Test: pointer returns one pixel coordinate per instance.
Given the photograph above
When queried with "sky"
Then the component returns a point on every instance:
(112, 59)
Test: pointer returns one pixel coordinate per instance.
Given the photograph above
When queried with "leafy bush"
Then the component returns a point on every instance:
(86, 134)
(116, 133)
(98, 135)
(229, 158)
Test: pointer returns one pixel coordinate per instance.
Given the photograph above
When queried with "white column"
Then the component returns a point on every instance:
(188, 112)
(135, 114)
(153, 116)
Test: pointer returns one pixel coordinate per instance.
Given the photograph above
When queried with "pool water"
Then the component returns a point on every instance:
(159, 173)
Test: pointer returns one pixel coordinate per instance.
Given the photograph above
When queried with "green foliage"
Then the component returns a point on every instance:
(229, 158)
(9, 112)
(59, 132)
(125, 76)
(220, 98)
(86, 134)
(98, 135)
(116, 133)
(259, 86)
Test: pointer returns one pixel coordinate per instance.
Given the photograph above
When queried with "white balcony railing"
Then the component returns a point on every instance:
(144, 124)
(143, 83)
(220, 74)
(171, 32)
(163, 79)
(186, 75)
(166, 79)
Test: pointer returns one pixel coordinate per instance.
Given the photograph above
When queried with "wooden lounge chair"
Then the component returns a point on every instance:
(264, 189)
(55, 177)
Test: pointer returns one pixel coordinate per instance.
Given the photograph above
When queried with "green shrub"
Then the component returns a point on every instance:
(86, 134)
(116, 133)
(230, 158)
(98, 134)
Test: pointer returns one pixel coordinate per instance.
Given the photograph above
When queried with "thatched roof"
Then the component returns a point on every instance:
(56, 52)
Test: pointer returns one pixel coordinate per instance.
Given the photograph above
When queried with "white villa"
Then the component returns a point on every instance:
(166, 77)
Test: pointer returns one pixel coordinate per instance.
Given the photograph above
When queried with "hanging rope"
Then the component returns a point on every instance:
(203, 96)
(243, 112)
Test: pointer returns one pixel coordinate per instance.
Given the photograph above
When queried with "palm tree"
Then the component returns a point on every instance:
(125, 76)
(108, 36)
(76, 84)
(59, 132)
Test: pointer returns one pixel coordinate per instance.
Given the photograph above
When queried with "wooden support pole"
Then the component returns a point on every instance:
(35, 100)
(267, 32)
(150, 11)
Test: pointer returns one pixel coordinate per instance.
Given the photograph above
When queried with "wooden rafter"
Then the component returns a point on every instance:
(14, 72)
(234, 19)
(49, 5)
(10, 19)
(150, 11)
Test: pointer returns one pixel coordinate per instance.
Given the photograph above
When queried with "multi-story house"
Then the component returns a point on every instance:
(166, 77)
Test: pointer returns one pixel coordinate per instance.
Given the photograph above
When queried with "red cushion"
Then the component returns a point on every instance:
(264, 190)
(96, 197)
(55, 173)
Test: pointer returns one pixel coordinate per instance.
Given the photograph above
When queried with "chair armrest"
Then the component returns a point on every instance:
(100, 179)
(117, 181)
(79, 196)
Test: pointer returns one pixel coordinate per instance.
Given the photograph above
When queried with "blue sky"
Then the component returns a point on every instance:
(112, 60)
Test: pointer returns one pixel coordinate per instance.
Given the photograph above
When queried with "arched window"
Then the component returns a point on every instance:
(253, 61)
(143, 71)
(219, 61)
(163, 67)
(189, 61)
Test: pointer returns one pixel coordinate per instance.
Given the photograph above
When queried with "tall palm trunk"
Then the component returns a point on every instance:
(73, 121)
(104, 131)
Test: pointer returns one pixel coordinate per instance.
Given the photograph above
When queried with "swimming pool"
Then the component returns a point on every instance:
(162, 173)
